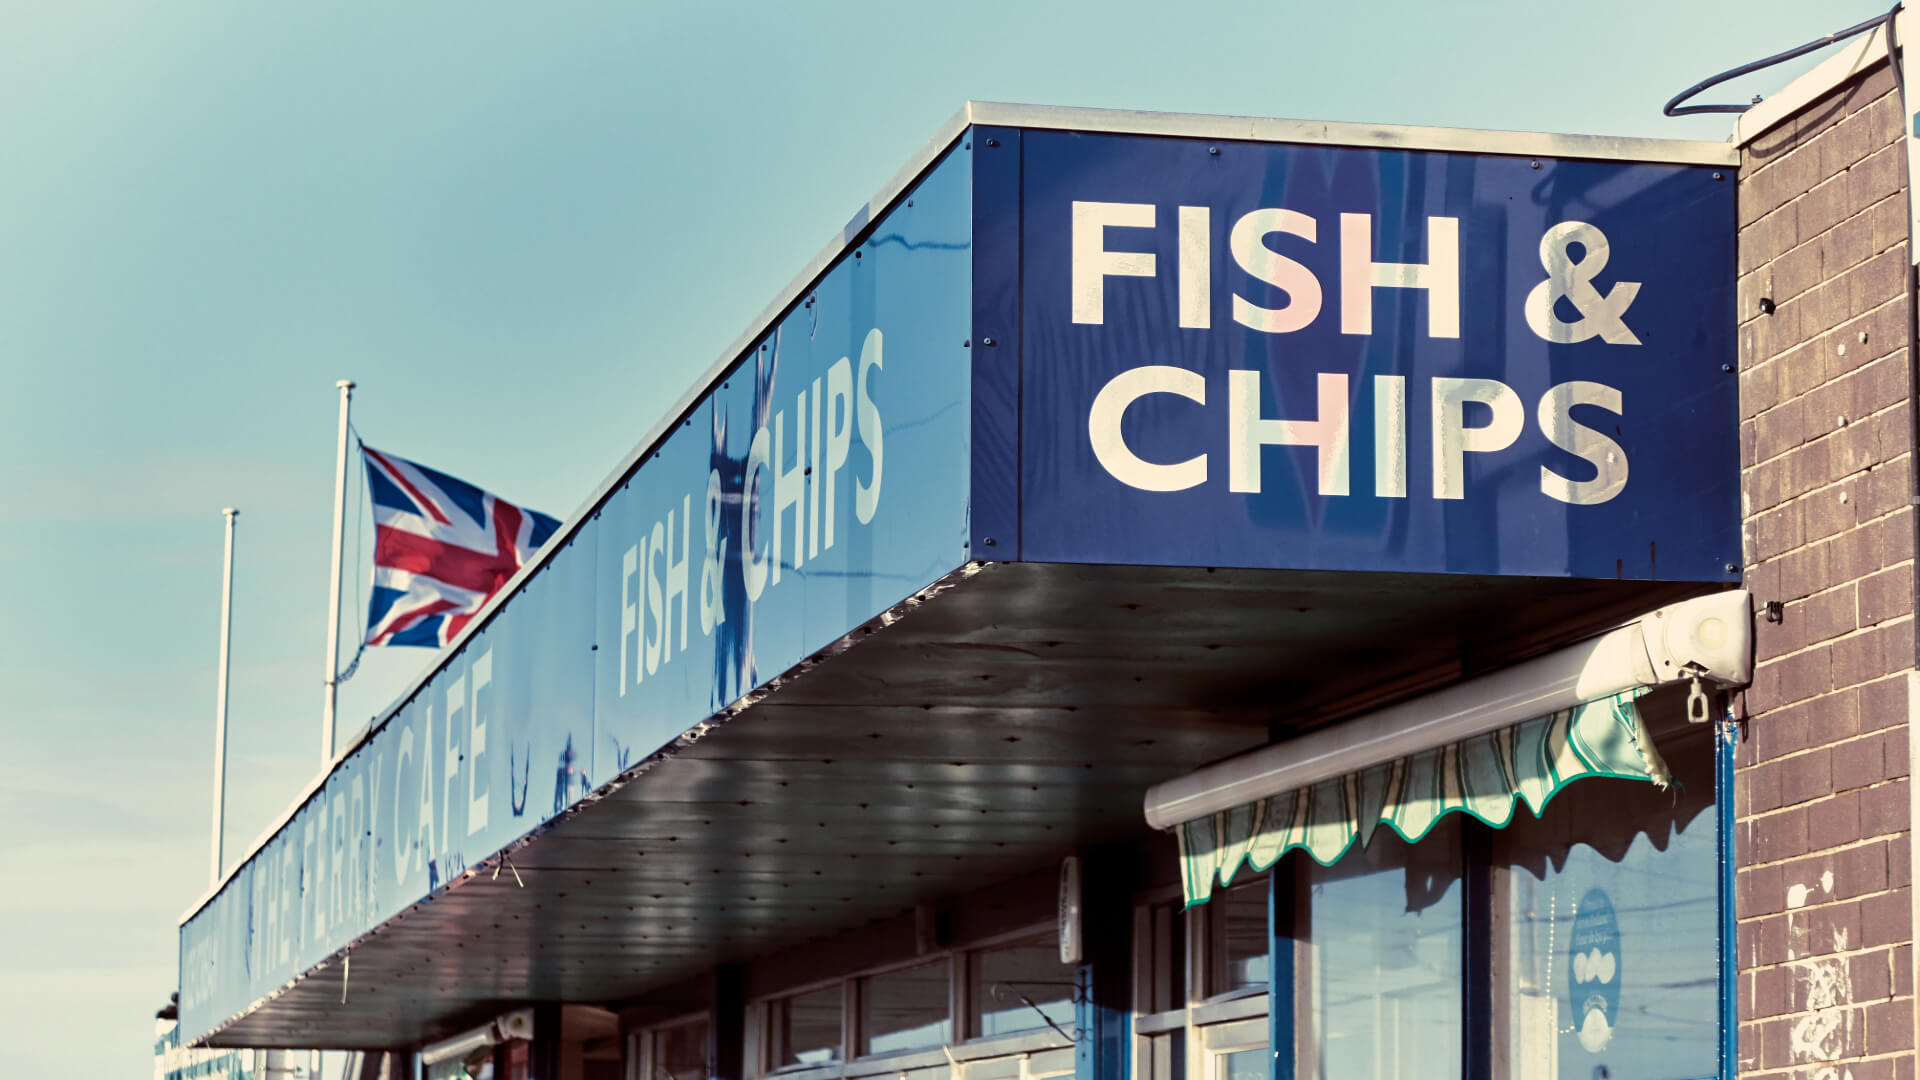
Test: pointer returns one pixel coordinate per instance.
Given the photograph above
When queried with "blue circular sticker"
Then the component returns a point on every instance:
(1593, 970)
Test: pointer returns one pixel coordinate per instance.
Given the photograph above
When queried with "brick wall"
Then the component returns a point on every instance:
(1825, 932)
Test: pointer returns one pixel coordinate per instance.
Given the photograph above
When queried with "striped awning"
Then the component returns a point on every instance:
(1487, 776)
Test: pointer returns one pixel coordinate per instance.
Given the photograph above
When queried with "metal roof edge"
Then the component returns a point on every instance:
(1854, 57)
(1382, 136)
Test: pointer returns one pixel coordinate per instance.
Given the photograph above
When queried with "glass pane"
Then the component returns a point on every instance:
(1020, 987)
(1612, 937)
(1240, 937)
(1243, 1065)
(1386, 959)
(680, 1053)
(905, 1010)
(806, 1028)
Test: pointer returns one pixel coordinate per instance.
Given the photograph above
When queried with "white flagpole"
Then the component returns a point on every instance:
(333, 590)
(220, 706)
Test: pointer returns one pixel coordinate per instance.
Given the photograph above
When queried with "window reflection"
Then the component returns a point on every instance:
(1613, 927)
(1386, 968)
(905, 1010)
(1021, 987)
(806, 1028)
(1240, 937)
(680, 1052)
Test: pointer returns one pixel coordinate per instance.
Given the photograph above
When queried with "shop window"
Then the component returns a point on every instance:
(1611, 937)
(806, 1028)
(1019, 987)
(1385, 982)
(678, 1052)
(907, 1009)
(1237, 934)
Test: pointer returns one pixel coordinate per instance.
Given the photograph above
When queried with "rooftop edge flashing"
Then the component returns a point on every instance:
(1036, 117)
(1855, 57)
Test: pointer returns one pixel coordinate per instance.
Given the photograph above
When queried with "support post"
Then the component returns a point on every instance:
(333, 587)
(1103, 984)
(220, 707)
(727, 1024)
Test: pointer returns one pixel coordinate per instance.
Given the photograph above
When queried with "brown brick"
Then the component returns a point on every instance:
(1886, 595)
(1807, 776)
(1764, 785)
(1799, 269)
(1825, 929)
(1768, 993)
(1777, 531)
(1884, 810)
(1869, 654)
(1824, 206)
(1833, 510)
(1779, 836)
(1875, 1069)
(1832, 823)
(1779, 430)
(1873, 282)
(1897, 761)
(1889, 1027)
(1847, 245)
(1859, 871)
(1883, 703)
(1795, 678)
(1903, 971)
(1889, 221)
(1766, 239)
(1899, 862)
(1887, 488)
(1859, 762)
(1828, 615)
(1886, 919)
(1766, 941)
(1871, 975)
(1758, 891)
(1806, 571)
(1874, 177)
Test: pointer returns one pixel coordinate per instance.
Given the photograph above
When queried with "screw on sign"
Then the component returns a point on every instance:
(1594, 970)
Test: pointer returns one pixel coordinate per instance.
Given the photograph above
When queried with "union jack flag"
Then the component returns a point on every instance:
(442, 548)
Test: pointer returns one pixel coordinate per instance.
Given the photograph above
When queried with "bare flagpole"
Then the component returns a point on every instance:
(220, 707)
(333, 589)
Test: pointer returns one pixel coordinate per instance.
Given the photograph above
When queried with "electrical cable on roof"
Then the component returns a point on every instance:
(1675, 108)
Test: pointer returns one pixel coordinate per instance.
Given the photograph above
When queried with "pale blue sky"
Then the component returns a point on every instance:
(524, 229)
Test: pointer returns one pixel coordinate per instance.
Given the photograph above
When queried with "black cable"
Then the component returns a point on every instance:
(1674, 108)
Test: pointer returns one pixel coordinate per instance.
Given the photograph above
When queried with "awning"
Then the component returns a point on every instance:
(1488, 775)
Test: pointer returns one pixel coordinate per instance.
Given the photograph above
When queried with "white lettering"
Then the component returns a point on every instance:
(1092, 263)
(1608, 459)
(1390, 436)
(839, 419)
(1196, 267)
(1453, 439)
(1110, 445)
(1248, 431)
(477, 741)
(753, 564)
(866, 494)
(1360, 275)
(1256, 258)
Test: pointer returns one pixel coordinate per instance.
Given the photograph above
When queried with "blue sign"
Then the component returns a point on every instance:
(1326, 358)
(1072, 348)
(822, 480)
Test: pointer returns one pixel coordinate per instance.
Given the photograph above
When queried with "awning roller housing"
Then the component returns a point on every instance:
(1708, 639)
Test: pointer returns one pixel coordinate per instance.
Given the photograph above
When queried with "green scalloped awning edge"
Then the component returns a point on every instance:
(1488, 776)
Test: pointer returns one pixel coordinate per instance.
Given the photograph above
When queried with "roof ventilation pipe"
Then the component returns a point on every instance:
(1705, 640)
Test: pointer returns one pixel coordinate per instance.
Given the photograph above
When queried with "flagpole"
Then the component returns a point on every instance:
(220, 706)
(333, 591)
